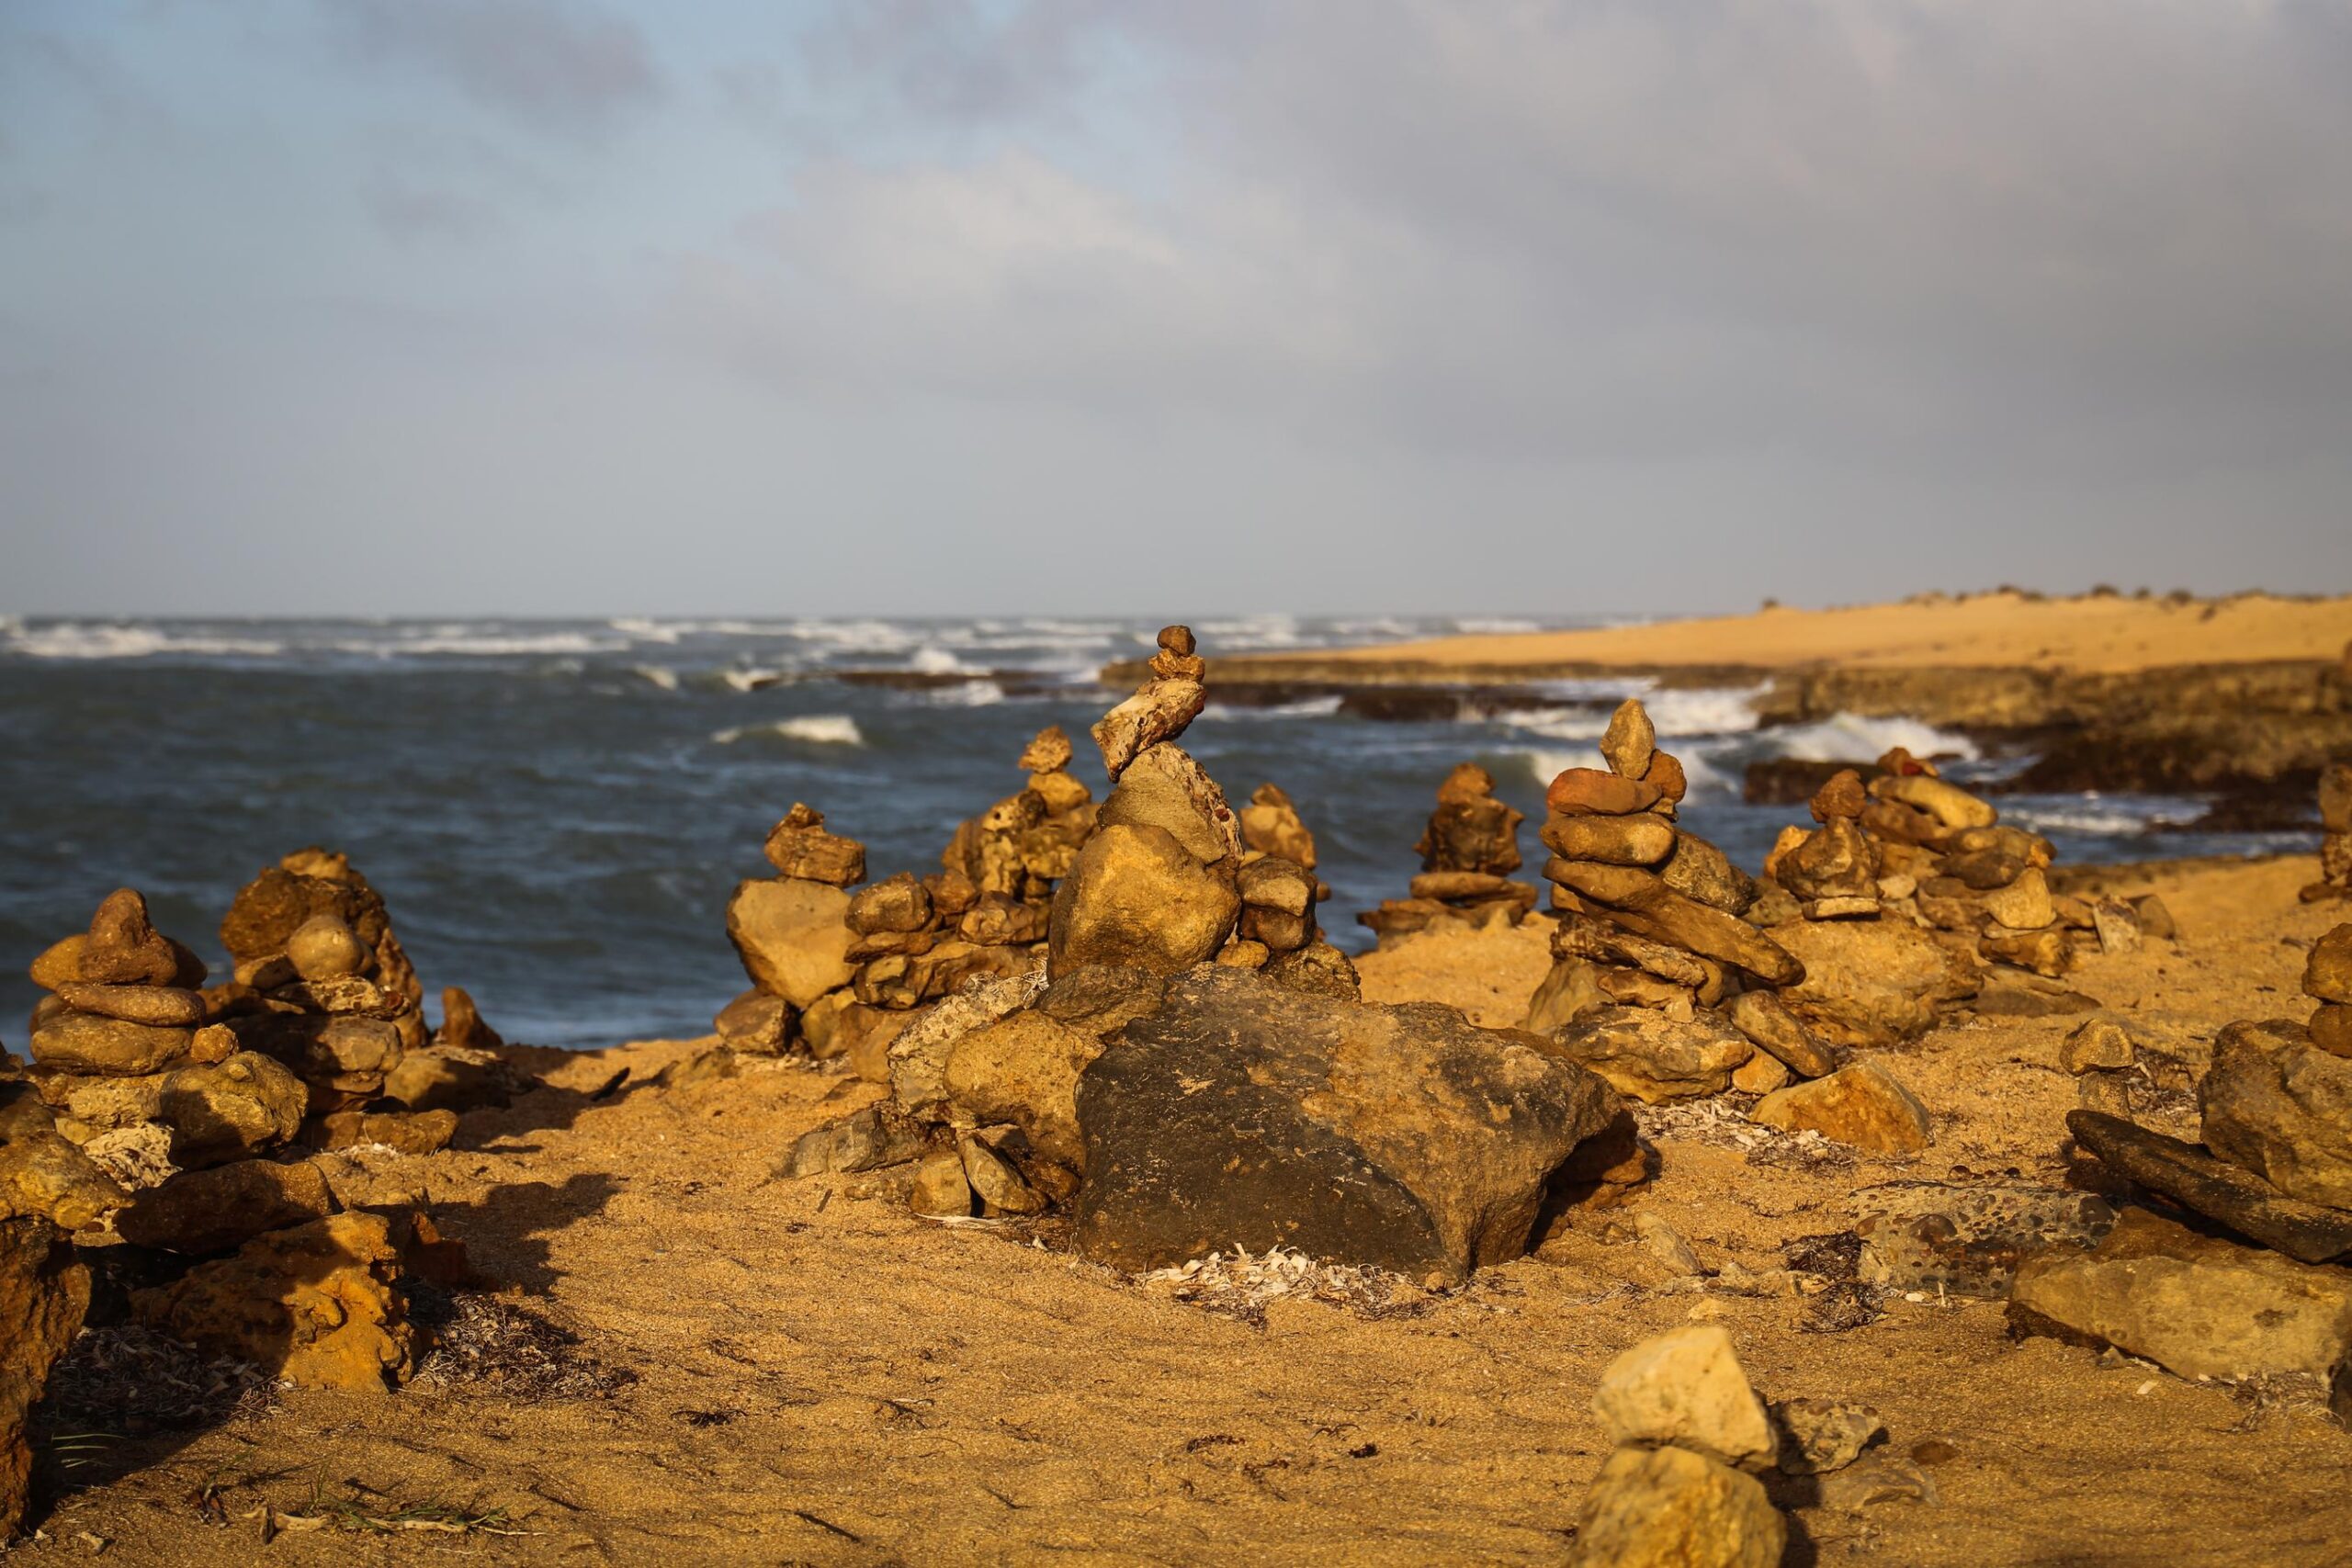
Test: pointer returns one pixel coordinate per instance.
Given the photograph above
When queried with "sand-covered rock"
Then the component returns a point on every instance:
(1671, 1509)
(1244, 1112)
(1863, 1105)
(318, 1304)
(1653, 1057)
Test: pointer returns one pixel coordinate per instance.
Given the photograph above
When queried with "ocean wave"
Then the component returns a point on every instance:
(1241, 633)
(1850, 738)
(640, 630)
(858, 637)
(751, 680)
(660, 675)
(1305, 708)
(814, 729)
(1557, 724)
(970, 695)
(1703, 710)
(932, 659)
(74, 639)
(1495, 626)
(453, 643)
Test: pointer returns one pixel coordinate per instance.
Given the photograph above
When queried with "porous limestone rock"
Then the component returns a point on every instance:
(1652, 1056)
(1243, 1112)
(1871, 982)
(319, 1304)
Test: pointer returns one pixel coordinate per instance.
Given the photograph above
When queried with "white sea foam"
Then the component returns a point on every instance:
(640, 630)
(813, 729)
(970, 695)
(1557, 724)
(858, 637)
(932, 659)
(660, 675)
(1547, 764)
(1495, 626)
(456, 643)
(1850, 738)
(1305, 708)
(751, 680)
(1702, 710)
(78, 640)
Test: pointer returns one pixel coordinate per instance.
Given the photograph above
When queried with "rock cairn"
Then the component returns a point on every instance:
(839, 974)
(1658, 984)
(1468, 852)
(982, 1115)
(2274, 1165)
(322, 987)
(149, 1124)
(2336, 832)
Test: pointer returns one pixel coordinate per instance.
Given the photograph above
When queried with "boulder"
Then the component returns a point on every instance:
(318, 1304)
(1243, 1112)
(2281, 1108)
(1672, 1508)
(2197, 1305)
(1022, 1070)
(1137, 897)
(1871, 982)
(793, 936)
(1685, 1387)
(1653, 1057)
(43, 1293)
(226, 1206)
(1863, 1105)
(2312, 1232)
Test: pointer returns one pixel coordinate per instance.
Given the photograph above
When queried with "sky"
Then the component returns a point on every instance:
(576, 306)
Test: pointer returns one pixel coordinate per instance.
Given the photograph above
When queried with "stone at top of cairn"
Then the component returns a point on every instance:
(801, 847)
(1161, 706)
(1048, 750)
(1631, 740)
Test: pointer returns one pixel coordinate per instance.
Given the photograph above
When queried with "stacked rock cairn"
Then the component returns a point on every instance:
(2336, 832)
(981, 1116)
(1468, 852)
(1656, 983)
(158, 1126)
(2274, 1165)
(838, 974)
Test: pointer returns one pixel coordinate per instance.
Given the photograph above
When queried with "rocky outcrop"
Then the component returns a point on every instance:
(1241, 1112)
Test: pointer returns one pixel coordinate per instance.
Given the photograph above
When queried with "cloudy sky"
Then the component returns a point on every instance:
(920, 306)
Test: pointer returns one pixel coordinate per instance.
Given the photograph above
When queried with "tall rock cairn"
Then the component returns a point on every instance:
(153, 1125)
(1468, 850)
(1650, 954)
(2335, 831)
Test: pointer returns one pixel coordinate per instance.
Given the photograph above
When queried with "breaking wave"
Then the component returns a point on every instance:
(813, 729)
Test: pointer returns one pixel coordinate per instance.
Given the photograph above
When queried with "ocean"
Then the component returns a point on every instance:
(555, 812)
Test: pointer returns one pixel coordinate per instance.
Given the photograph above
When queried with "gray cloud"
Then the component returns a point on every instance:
(549, 64)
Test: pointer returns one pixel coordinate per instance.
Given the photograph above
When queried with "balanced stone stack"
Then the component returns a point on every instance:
(323, 987)
(1468, 852)
(791, 930)
(1658, 984)
(2335, 833)
(2275, 1166)
(146, 1121)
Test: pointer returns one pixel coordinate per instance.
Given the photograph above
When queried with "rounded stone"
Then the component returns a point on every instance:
(325, 948)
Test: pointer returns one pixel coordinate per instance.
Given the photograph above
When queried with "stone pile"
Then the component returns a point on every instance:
(322, 987)
(2335, 833)
(1658, 984)
(1468, 852)
(150, 1125)
(839, 974)
(1192, 1069)
(2274, 1167)
(1692, 1439)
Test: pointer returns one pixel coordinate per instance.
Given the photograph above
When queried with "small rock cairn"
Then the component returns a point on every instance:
(1468, 852)
(982, 1115)
(2274, 1165)
(2335, 831)
(839, 974)
(151, 1127)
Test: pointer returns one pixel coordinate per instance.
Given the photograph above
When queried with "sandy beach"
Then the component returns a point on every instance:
(813, 1374)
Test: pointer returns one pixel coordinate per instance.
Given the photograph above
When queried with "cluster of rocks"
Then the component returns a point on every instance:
(1659, 983)
(1685, 1483)
(839, 974)
(1912, 845)
(1193, 1069)
(1468, 850)
(2274, 1167)
(2336, 832)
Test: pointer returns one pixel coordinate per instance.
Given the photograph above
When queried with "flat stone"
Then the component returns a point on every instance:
(2197, 1305)
(2097, 1043)
(1243, 1112)
(1952, 806)
(2281, 1108)
(159, 1007)
(1638, 839)
(1766, 1022)
(88, 1043)
(1647, 907)
(1590, 791)
(792, 936)
(1652, 1056)
(801, 849)
(1582, 936)
(1672, 1508)
(2312, 1232)
(1863, 1105)
(226, 1206)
